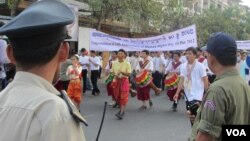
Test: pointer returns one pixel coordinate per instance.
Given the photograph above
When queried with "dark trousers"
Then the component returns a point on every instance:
(94, 78)
(65, 85)
(84, 80)
(100, 73)
(157, 77)
(162, 82)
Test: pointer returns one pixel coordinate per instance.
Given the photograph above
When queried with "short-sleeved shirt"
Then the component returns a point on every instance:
(173, 69)
(30, 110)
(97, 61)
(149, 67)
(121, 66)
(197, 84)
(227, 102)
(84, 60)
(3, 57)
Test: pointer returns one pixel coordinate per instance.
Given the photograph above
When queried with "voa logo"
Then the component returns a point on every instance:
(236, 132)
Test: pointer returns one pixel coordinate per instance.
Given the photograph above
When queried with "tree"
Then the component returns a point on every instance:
(13, 6)
(232, 20)
(140, 15)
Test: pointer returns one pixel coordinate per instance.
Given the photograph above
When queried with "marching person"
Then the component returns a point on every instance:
(143, 91)
(63, 82)
(173, 70)
(158, 69)
(108, 69)
(31, 108)
(203, 60)
(193, 79)
(84, 61)
(167, 61)
(122, 70)
(134, 61)
(3, 60)
(95, 64)
(227, 99)
(75, 88)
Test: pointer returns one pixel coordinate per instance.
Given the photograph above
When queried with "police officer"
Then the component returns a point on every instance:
(227, 99)
(30, 107)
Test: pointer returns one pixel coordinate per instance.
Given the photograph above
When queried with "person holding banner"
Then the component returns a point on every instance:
(121, 69)
(110, 77)
(172, 78)
(144, 80)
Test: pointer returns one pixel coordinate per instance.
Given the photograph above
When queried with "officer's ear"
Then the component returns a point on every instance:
(10, 54)
(63, 51)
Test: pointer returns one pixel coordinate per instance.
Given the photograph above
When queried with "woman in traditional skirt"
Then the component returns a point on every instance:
(108, 81)
(75, 88)
(122, 70)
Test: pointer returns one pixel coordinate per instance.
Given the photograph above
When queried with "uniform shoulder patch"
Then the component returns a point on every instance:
(209, 104)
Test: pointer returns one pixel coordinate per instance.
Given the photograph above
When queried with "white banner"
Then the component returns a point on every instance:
(243, 44)
(177, 40)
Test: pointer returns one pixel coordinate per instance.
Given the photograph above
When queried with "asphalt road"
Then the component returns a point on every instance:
(158, 123)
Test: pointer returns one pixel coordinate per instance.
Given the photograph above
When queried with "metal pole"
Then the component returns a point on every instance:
(103, 116)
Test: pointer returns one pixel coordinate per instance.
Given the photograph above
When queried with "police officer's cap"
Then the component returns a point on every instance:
(221, 44)
(46, 18)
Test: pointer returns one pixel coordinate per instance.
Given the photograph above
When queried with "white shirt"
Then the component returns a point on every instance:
(196, 90)
(134, 62)
(31, 111)
(83, 61)
(158, 64)
(3, 57)
(149, 66)
(109, 65)
(183, 59)
(171, 69)
(167, 62)
(97, 61)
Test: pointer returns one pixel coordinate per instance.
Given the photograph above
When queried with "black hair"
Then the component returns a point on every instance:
(115, 52)
(177, 53)
(146, 51)
(193, 50)
(122, 50)
(92, 51)
(82, 50)
(27, 56)
(229, 59)
(199, 49)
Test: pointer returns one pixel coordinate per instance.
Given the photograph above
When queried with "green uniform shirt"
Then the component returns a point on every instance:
(227, 102)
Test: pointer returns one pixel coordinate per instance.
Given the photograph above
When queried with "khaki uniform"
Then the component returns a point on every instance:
(30, 110)
(227, 102)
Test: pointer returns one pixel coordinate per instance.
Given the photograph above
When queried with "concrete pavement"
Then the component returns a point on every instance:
(158, 123)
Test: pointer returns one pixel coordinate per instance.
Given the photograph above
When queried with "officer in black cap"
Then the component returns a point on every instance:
(227, 99)
(30, 106)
